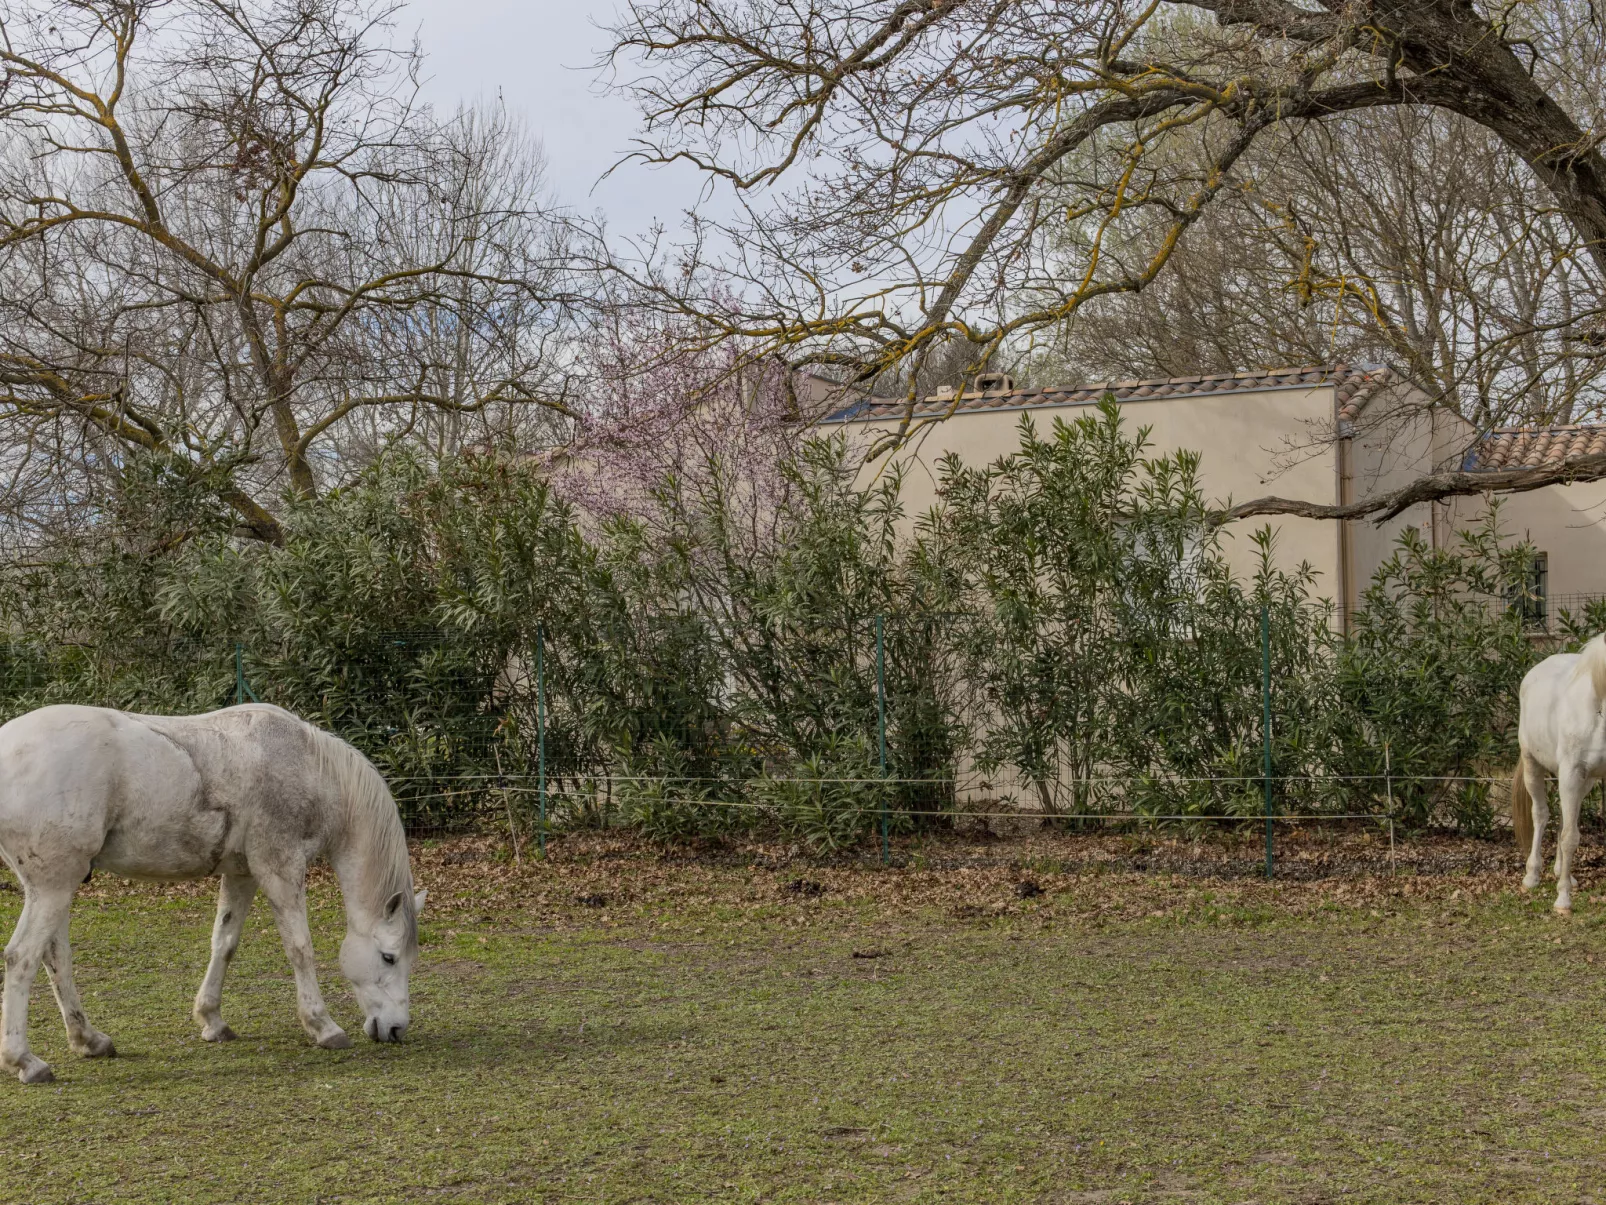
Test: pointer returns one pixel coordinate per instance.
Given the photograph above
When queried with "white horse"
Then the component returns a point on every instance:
(1561, 731)
(249, 793)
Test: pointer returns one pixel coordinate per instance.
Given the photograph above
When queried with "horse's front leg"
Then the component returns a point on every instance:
(83, 1037)
(289, 902)
(1534, 776)
(44, 912)
(1570, 786)
(233, 902)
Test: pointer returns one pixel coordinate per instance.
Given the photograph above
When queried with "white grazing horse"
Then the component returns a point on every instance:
(1561, 731)
(249, 793)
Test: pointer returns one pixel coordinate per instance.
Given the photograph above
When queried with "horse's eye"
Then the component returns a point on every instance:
(390, 959)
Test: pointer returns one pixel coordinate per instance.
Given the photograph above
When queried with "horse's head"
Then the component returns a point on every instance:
(377, 959)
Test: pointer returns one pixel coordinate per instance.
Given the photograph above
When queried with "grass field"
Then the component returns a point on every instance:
(618, 1026)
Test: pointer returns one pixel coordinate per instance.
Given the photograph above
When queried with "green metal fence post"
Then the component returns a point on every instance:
(1265, 720)
(881, 726)
(242, 688)
(540, 729)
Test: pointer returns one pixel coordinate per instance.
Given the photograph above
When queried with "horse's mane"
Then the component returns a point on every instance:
(371, 820)
(1592, 661)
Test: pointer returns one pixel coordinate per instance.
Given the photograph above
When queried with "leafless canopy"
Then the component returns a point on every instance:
(1404, 236)
(230, 234)
(1006, 174)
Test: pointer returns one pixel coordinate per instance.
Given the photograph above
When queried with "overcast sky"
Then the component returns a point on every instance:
(538, 55)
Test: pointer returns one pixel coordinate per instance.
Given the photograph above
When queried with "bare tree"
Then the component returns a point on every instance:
(982, 171)
(1404, 236)
(230, 233)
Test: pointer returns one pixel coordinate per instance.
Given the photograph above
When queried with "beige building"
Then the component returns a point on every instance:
(1567, 523)
(1334, 434)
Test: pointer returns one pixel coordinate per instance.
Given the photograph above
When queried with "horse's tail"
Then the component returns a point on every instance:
(1522, 806)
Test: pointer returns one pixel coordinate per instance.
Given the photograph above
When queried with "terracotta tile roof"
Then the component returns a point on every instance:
(1354, 387)
(1533, 447)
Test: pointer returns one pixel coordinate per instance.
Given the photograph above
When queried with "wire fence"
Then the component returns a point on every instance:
(475, 739)
(1587, 611)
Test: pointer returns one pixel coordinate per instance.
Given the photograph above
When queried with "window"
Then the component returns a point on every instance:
(1184, 582)
(1531, 598)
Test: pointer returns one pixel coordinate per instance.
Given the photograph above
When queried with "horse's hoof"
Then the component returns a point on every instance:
(1529, 884)
(221, 1034)
(99, 1047)
(1564, 911)
(36, 1071)
(336, 1041)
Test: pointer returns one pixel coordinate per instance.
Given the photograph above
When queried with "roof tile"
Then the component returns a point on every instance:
(1535, 447)
(1354, 386)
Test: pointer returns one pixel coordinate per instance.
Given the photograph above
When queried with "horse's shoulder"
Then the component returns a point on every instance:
(263, 723)
(257, 732)
(225, 720)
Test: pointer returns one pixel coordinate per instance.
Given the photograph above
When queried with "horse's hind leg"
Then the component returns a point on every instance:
(44, 914)
(233, 902)
(1570, 786)
(1534, 776)
(83, 1037)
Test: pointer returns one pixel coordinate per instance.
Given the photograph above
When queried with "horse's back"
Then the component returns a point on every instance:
(80, 751)
(164, 797)
(104, 787)
(65, 775)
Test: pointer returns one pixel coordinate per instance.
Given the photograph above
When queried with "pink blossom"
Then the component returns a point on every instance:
(668, 405)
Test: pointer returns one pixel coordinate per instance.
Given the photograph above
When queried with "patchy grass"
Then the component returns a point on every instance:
(623, 1024)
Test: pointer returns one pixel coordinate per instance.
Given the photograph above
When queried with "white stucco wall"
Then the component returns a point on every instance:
(1394, 443)
(1278, 441)
(1251, 443)
(1567, 522)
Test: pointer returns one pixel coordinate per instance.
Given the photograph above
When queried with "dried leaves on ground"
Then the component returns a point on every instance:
(587, 875)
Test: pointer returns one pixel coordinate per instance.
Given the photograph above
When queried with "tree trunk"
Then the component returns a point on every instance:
(277, 378)
(289, 433)
(1466, 66)
(256, 521)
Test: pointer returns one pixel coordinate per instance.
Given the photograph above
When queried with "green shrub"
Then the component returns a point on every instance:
(711, 665)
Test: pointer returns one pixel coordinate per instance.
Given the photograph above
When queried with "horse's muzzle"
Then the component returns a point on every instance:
(383, 1033)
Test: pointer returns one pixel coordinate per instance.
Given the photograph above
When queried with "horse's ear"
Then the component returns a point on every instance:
(418, 902)
(392, 904)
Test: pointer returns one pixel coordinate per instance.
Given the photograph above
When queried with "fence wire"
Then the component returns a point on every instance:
(474, 738)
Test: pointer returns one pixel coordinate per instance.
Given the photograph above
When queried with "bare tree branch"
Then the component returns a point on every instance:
(979, 175)
(1431, 488)
(221, 221)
